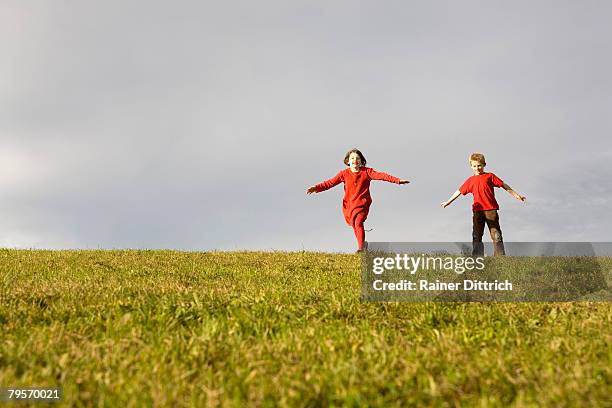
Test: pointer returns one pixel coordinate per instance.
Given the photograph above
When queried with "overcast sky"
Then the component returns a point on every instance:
(199, 125)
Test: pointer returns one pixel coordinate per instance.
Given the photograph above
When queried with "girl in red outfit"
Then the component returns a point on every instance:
(357, 200)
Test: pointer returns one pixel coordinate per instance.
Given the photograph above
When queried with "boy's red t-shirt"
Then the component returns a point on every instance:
(481, 186)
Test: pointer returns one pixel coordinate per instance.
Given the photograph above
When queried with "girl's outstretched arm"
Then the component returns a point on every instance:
(327, 184)
(379, 175)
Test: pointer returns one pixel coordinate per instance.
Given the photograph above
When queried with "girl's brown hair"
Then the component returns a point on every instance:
(361, 156)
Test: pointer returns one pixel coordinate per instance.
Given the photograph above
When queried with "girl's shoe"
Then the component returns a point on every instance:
(365, 248)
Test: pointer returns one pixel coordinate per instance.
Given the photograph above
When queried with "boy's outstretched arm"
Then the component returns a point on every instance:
(452, 198)
(513, 193)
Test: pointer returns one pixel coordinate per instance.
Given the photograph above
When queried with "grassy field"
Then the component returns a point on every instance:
(165, 328)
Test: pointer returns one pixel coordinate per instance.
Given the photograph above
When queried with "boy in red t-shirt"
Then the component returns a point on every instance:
(485, 206)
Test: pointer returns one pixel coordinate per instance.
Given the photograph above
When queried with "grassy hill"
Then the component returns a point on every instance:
(165, 328)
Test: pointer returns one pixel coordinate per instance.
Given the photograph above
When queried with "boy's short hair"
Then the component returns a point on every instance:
(361, 156)
(477, 157)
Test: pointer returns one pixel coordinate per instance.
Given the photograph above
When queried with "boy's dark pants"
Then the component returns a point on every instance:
(491, 218)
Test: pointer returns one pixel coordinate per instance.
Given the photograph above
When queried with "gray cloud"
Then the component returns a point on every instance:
(200, 125)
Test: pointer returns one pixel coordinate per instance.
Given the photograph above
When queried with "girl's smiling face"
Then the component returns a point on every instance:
(354, 161)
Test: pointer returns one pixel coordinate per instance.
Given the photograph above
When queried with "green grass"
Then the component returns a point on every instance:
(165, 328)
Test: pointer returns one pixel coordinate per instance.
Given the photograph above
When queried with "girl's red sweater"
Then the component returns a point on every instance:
(357, 197)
